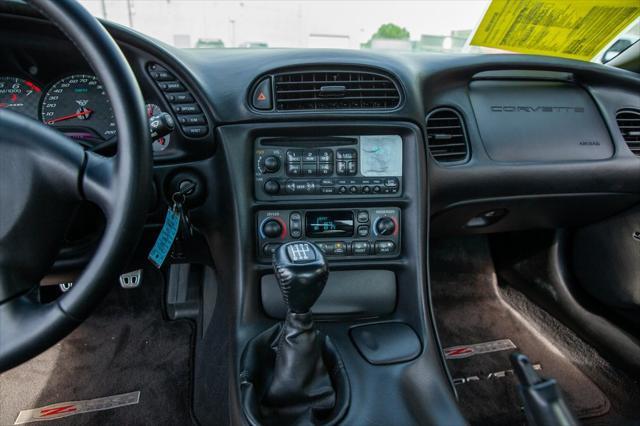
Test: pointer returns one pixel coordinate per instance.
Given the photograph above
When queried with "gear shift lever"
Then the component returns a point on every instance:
(302, 272)
(300, 377)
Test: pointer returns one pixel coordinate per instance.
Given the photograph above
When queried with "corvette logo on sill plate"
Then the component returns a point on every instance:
(65, 409)
(466, 351)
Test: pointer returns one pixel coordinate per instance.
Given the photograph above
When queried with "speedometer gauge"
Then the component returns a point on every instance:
(79, 102)
(20, 95)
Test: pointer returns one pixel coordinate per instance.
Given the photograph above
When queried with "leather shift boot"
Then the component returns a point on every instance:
(300, 378)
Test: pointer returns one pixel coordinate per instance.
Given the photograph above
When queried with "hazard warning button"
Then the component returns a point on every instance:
(261, 98)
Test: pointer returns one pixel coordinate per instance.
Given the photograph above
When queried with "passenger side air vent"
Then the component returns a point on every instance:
(446, 137)
(327, 90)
(629, 124)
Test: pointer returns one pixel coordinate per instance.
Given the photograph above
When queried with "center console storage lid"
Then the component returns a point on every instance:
(360, 293)
(386, 343)
(539, 121)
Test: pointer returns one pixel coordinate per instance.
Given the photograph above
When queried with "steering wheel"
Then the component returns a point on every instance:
(43, 175)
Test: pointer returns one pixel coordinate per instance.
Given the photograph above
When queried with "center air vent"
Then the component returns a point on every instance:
(446, 137)
(327, 90)
(629, 124)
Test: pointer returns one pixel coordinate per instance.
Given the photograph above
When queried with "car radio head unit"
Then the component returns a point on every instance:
(330, 167)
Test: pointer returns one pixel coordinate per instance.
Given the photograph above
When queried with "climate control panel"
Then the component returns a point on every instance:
(338, 167)
(340, 233)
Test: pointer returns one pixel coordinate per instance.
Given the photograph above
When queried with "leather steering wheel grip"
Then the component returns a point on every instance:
(28, 328)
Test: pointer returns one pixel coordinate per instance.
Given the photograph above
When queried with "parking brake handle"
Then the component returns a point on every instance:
(544, 404)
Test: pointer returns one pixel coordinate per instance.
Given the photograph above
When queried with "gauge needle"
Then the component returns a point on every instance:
(85, 112)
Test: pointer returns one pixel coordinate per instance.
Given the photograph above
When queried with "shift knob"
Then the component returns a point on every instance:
(302, 272)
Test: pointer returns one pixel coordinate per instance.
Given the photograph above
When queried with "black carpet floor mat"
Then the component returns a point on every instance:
(125, 346)
(469, 310)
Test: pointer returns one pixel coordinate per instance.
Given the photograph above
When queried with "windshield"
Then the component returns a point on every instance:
(444, 26)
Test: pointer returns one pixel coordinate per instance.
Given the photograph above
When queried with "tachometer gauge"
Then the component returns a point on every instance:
(79, 102)
(20, 95)
(162, 143)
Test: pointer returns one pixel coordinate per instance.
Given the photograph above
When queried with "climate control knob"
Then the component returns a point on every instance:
(271, 228)
(271, 187)
(271, 164)
(385, 226)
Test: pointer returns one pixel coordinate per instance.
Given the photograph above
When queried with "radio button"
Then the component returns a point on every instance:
(326, 182)
(352, 168)
(327, 190)
(346, 154)
(271, 187)
(325, 169)
(325, 156)
(384, 247)
(376, 189)
(353, 189)
(391, 183)
(309, 156)
(341, 168)
(309, 169)
(360, 248)
(294, 169)
(366, 189)
(342, 190)
(294, 156)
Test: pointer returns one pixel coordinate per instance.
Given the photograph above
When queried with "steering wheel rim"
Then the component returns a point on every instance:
(119, 185)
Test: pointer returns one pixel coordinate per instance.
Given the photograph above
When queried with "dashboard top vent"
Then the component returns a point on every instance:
(629, 123)
(329, 90)
(446, 136)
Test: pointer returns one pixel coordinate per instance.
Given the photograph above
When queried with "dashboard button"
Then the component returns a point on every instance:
(309, 169)
(271, 187)
(341, 168)
(376, 189)
(339, 248)
(352, 168)
(353, 189)
(191, 119)
(294, 156)
(326, 182)
(309, 156)
(325, 169)
(363, 216)
(325, 156)
(195, 131)
(384, 247)
(261, 98)
(366, 189)
(327, 190)
(360, 248)
(171, 86)
(180, 98)
(346, 154)
(186, 108)
(342, 190)
(363, 230)
(295, 225)
(294, 169)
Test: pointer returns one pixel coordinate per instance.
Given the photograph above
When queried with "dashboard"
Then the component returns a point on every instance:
(477, 116)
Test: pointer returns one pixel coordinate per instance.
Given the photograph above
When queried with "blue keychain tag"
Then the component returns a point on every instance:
(165, 240)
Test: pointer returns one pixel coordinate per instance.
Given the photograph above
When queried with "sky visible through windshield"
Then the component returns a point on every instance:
(439, 25)
(414, 26)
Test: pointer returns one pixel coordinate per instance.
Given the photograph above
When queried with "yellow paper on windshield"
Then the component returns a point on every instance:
(577, 29)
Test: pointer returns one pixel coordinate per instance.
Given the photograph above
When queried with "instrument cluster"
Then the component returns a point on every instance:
(75, 104)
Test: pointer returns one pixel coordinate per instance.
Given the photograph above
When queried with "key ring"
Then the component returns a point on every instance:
(178, 198)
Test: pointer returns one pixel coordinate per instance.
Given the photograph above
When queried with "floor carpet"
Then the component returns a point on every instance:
(470, 310)
(125, 346)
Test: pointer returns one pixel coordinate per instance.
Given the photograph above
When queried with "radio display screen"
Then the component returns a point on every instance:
(328, 224)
